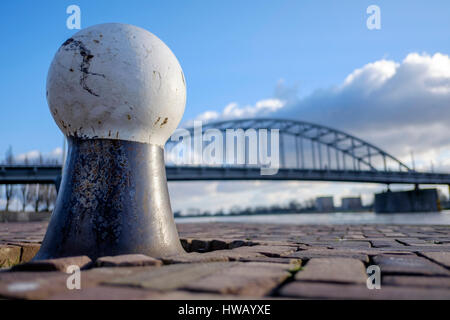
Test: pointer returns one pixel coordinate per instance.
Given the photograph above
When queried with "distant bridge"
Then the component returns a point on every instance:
(307, 152)
(44, 174)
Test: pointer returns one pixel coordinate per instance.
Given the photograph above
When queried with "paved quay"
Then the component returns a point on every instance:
(241, 261)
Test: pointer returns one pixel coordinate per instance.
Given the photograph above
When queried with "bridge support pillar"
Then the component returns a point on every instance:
(118, 93)
(417, 200)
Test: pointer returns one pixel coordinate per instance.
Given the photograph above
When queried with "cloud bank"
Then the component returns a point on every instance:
(402, 107)
(35, 156)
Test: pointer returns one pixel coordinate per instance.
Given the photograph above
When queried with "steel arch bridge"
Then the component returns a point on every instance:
(307, 151)
(343, 145)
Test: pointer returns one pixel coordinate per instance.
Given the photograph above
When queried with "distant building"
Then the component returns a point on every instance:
(418, 200)
(324, 204)
(351, 203)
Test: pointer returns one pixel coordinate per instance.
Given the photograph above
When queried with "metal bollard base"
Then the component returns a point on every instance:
(113, 200)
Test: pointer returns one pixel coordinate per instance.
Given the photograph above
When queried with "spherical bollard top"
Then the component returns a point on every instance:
(116, 81)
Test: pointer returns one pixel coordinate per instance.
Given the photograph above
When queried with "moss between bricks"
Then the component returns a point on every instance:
(9, 256)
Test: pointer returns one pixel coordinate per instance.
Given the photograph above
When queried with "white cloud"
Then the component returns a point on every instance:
(233, 110)
(34, 156)
(399, 106)
(372, 75)
(208, 116)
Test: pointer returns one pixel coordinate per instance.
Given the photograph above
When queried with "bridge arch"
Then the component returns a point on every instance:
(306, 145)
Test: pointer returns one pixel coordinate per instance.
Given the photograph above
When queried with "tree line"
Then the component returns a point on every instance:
(38, 197)
(293, 206)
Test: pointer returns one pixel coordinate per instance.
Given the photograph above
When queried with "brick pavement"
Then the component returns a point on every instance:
(239, 261)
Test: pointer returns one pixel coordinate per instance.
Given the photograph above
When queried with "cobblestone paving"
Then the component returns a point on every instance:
(241, 261)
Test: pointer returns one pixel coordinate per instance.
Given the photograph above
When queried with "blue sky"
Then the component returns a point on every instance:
(315, 60)
(229, 50)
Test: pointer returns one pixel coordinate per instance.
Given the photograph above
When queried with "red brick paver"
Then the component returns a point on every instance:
(230, 260)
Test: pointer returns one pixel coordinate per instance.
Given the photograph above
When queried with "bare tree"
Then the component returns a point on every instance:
(9, 188)
(24, 189)
(47, 196)
(23, 195)
(9, 193)
(310, 203)
(51, 198)
(1, 192)
(9, 157)
(38, 196)
(34, 197)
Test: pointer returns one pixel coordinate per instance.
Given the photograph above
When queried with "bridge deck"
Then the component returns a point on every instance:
(49, 174)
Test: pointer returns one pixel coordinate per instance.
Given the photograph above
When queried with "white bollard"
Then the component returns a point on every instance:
(117, 92)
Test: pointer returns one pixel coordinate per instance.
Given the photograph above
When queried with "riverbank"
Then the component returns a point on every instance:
(338, 218)
(24, 216)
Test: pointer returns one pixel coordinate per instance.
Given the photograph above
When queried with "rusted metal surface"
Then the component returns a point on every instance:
(113, 200)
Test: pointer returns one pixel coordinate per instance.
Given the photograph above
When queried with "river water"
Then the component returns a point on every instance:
(442, 218)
